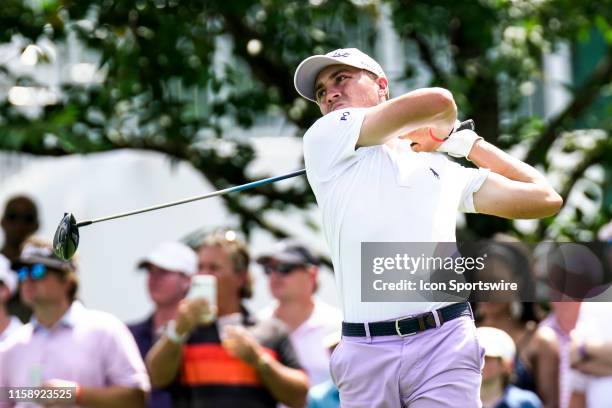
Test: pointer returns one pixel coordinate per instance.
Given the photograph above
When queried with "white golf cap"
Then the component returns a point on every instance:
(497, 343)
(172, 256)
(7, 276)
(306, 73)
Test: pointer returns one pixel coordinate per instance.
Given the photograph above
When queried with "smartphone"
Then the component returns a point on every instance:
(205, 287)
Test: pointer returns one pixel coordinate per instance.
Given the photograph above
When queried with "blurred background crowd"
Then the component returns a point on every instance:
(111, 105)
(552, 354)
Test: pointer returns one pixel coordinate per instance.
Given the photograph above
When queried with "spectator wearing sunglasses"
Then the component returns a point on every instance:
(65, 346)
(19, 221)
(8, 286)
(292, 272)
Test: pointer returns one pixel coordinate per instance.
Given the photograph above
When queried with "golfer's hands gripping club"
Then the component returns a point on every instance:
(192, 313)
(458, 144)
(421, 140)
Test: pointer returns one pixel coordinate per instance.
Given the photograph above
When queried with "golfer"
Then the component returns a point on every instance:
(379, 170)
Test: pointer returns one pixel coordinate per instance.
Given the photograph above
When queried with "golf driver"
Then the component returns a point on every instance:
(66, 239)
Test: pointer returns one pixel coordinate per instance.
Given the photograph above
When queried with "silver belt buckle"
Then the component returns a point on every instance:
(397, 328)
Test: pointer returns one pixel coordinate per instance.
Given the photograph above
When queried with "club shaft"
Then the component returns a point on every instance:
(196, 198)
(468, 124)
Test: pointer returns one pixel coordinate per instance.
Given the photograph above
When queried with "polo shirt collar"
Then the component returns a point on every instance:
(72, 317)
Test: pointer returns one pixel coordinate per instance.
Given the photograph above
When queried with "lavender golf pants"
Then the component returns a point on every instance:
(436, 368)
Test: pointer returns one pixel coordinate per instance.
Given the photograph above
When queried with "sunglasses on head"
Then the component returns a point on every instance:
(27, 218)
(282, 268)
(36, 272)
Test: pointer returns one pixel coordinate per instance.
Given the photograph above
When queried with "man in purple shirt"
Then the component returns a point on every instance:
(170, 266)
(89, 355)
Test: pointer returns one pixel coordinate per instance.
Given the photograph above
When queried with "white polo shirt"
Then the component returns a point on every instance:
(383, 193)
(308, 338)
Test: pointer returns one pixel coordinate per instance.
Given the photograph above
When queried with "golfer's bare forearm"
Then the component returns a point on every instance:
(486, 155)
(110, 397)
(287, 385)
(520, 192)
(432, 107)
(163, 362)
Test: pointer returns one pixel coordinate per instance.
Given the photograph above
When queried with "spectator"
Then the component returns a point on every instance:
(496, 390)
(67, 345)
(508, 259)
(326, 395)
(169, 269)
(253, 366)
(8, 286)
(556, 330)
(518, 320)
(571, 273)
(591, 356)
(19, 221)
(292, 271)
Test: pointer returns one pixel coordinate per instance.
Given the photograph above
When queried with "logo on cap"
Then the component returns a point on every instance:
(341, 54)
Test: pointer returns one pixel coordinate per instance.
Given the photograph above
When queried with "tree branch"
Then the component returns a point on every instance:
(593, 157)
(582, 100)
(428, 58)
(247, 214)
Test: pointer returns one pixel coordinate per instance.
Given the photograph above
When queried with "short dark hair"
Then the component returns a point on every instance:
(375, 77)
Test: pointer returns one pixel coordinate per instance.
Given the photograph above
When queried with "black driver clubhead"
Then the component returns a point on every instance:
(66, 239)
(467, 124)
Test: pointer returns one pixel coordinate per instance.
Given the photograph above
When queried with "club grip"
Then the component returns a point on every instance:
(466, 124)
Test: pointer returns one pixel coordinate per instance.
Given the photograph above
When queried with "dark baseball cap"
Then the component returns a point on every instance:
(289, 251)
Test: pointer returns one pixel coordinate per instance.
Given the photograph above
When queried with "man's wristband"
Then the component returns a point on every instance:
(455, 128)
(172, 335)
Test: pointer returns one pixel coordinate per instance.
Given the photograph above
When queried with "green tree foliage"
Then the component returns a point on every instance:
(174, 76)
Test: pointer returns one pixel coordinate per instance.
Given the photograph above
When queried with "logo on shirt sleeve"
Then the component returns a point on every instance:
(345, 115)
(435, 173)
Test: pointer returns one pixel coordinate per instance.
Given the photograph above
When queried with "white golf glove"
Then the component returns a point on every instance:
(459, 144)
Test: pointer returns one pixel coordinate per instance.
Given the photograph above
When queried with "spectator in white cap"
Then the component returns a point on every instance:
(169, 267)
(8, 286)
(496, 390)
